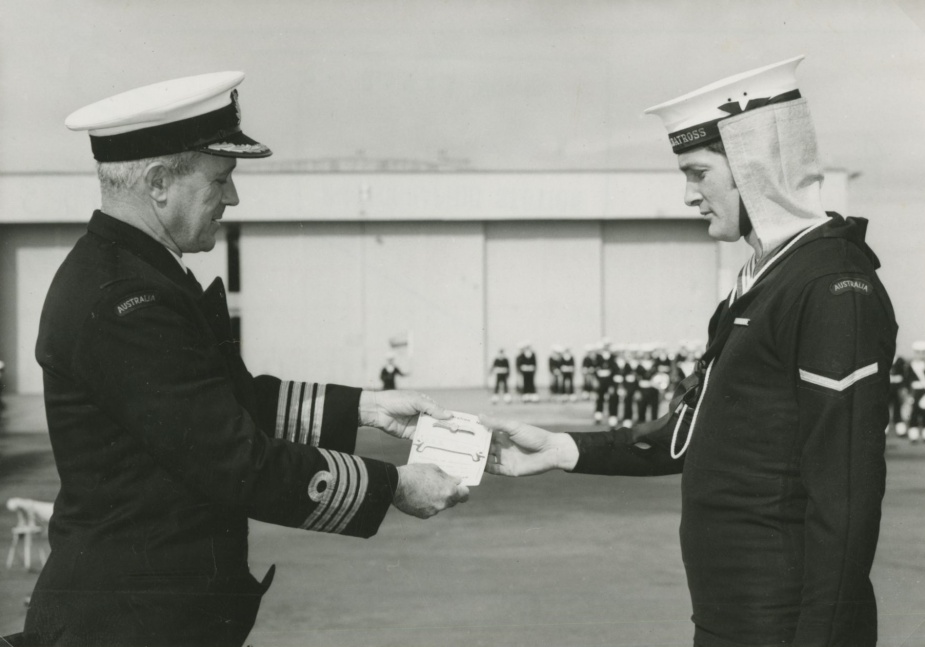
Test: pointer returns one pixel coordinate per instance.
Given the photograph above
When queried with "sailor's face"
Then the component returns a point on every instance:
(711, 188)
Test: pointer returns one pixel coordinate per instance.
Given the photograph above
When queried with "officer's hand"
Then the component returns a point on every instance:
(396, 412)
(425, 489)
(518, 449)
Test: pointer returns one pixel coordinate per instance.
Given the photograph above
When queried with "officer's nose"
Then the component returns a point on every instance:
(230, 194)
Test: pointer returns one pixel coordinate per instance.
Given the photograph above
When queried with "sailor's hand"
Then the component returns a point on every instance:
(519, 449)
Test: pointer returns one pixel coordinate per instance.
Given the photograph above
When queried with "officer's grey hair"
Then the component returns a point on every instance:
(122, 175)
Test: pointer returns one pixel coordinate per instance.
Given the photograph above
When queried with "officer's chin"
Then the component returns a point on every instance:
(202, 245)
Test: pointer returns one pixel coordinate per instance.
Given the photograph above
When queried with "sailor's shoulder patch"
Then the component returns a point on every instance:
(851, 284)
(135, 302)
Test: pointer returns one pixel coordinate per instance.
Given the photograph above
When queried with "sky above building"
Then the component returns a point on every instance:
(490, 84)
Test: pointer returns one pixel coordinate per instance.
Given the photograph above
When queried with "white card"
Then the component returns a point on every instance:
(458, 446)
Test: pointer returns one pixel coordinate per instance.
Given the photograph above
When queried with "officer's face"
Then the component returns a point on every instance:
(711, 188)
(199, 200)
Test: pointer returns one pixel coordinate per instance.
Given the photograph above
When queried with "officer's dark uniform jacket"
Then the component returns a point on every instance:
(784, 472)
(165, 445)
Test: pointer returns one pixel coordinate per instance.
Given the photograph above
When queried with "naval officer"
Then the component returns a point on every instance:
(165, 444)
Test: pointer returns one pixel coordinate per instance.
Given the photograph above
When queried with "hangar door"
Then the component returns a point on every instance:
(543, 285)
(659, 281)
(327, 301)
(31, 254)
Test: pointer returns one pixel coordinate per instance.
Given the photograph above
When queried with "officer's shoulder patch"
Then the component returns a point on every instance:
(135, 302)
(851, 284)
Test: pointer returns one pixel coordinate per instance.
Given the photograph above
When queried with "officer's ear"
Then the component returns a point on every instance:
(157, 178)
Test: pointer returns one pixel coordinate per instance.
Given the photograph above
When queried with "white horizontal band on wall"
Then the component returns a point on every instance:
(438, 196)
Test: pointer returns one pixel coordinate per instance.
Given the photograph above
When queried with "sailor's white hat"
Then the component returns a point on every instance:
(195, 113)
(918, 346)
(691, 120)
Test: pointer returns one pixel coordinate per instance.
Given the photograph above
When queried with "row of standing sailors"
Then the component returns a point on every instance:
(629, 384)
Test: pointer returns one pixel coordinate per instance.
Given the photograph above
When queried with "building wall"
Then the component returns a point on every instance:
(660, 281)
(323, 300)
(29, 258)
(447, 267)
(327, 301)
(543, 286)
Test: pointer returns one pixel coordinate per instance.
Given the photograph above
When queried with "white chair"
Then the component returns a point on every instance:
(32, 518)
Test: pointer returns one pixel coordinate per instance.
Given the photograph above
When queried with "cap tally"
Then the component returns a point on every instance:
(691, 120)
(195, 113)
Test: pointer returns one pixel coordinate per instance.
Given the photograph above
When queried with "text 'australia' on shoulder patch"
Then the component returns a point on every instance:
(851, 284)
(135, 302)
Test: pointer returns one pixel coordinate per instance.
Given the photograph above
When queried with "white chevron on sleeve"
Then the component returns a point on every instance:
(838, 385)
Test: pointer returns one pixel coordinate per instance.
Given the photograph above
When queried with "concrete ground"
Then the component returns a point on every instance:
(553, 560)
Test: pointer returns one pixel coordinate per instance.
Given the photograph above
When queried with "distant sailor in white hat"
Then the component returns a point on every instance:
(780, 434)
(164, 442)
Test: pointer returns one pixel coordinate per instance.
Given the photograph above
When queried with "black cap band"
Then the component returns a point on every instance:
(176, 137)
(708, 132)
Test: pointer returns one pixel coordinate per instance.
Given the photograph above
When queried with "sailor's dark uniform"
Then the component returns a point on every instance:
(605, 372)
(526, 366)
(567, 368)
(387, 375)
(784, 474)
(501, 367)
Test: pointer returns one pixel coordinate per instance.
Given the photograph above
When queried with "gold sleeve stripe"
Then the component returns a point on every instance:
(305, 418)
(838, 385)
(312, 522)
(299, 412)
(337, 509)
(340, 520)
(359, 494)
(317, 414)
(342, 490)
(285, 387)
(292, 420)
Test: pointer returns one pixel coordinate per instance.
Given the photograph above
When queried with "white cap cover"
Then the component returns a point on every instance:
(194, 113)
(691, 120)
